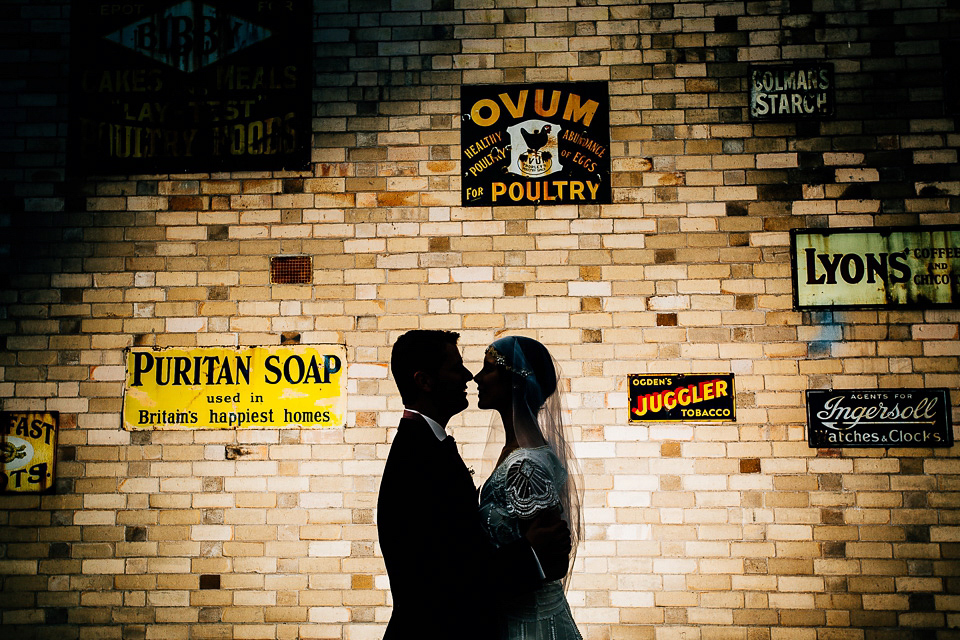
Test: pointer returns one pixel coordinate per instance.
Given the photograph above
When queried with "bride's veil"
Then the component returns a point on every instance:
(538, 417)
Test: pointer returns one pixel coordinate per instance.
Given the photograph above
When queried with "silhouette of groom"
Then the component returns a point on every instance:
(445, 575)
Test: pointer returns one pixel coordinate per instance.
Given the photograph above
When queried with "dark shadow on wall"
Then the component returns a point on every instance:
(375, 66)
(40, 214)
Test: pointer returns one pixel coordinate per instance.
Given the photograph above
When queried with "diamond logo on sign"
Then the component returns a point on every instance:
(189, 36)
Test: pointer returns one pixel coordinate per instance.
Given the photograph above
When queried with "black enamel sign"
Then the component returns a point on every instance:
(799, 91)
(950, 51)
(190, 86)
(879, 418)
(535, 144)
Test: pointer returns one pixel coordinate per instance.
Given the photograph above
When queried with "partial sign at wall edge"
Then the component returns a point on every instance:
(28, 451)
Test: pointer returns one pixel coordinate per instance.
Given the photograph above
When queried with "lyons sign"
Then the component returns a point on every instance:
(915, 267)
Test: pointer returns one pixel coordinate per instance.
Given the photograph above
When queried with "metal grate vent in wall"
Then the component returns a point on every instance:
(291, 270)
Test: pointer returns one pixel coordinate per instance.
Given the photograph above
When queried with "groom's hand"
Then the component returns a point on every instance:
(549, 536)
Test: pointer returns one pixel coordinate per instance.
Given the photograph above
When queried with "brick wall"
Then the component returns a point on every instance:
(731, 531)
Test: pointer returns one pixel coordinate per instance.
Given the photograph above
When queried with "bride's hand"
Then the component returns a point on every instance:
(549, 536)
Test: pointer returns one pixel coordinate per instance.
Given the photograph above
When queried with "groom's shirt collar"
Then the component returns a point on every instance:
(433, 424)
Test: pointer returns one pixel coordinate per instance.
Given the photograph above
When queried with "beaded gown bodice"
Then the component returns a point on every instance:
(526, 482)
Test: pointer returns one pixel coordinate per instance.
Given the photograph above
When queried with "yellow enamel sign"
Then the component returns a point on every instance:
(28, 451)
(281, 387)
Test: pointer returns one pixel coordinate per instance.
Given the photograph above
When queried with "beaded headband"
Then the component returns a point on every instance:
(500, 360)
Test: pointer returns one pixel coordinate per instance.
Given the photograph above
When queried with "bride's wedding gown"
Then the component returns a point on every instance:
(525, 483)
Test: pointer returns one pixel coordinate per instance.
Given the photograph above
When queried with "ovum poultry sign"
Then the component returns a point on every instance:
(535, 144)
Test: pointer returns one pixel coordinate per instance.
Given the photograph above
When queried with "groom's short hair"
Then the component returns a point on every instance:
(418, 350)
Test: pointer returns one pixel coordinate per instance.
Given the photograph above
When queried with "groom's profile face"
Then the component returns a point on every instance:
(449, 388)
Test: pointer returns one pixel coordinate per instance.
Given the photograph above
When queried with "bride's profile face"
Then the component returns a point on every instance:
(493, 385)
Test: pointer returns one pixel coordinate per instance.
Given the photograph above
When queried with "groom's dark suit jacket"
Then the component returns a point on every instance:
(445, 575)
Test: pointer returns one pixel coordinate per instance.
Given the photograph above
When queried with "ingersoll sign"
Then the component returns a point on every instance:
(844, 418)
(915, 267)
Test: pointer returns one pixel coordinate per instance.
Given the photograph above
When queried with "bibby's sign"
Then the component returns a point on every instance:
(190, 86)
(879, 418)
(876, 267)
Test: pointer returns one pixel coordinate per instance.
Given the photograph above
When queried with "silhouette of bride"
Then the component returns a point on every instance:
(535, 473)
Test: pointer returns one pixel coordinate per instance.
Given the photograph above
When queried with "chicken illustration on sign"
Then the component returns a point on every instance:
(535, 144)
(535, 149)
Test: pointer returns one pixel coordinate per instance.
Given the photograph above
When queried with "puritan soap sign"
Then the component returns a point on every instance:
(281, 387)
(799, 91)
(909, 267)
(879, 418)
(535, 144)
